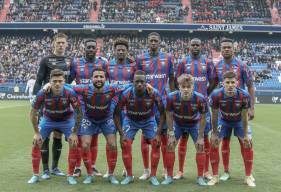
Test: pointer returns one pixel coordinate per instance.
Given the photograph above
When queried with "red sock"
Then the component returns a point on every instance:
(111, 156)
(215, 159)
(164, 141)
(79, 153)
(145, 152)
(155, 157)
(36, 157)
(182, 152)
(207, 153)
(127, 156)
(170, 159)
(86, 155)
(225, 151)
(248, 159)
(200, 161)
(72, 158)
(242, 149)
(94, 148)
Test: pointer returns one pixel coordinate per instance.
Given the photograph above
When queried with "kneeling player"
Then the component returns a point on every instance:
(230, 106)
(186, 115)
(58, 112)
(139, 105)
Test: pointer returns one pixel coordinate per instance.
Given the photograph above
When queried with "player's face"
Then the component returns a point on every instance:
(121, 52)
(98, 79)
(153, 42)
(186, 89)
(57, 83)
(90, 49)
(227, 50)
(139, 83)
(60, 45)
(230, 85)
(195, 47)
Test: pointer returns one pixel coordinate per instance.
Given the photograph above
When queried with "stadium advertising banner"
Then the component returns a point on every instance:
(13, 96)
(268, 99)
(141, 26)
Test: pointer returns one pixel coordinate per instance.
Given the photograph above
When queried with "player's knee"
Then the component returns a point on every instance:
(86, 146)
(112, 146)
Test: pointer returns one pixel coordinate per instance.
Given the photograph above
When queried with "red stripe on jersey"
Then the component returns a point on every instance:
(189, 107)
(86, 70)
(78, 72)
(200, 75)
(151, 71)
(181, 109)
(183, 69)
(239, 73)
(159, 71)
(115, 71)
(192, 68)
(217, 73)
(142, 63)
(124, 72)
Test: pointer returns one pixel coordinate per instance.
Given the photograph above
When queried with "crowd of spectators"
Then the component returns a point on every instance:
(50, 10)
(231, 11)
(168, 11)
(1, 4)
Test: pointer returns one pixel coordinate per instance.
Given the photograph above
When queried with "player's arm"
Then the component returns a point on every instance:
(27, 87)
(117, 117)
(246, 139)
(73, 139)
(34, 120)
(211, 77)
(161, 109)
(171, 74)
(251, 91)
(40, 76)
(212, 86)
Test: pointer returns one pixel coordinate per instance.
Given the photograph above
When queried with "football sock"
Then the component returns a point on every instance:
(94, 148)
(200, 161)
(86, 155)
(45, 154)
(170, 159)
(72, 158)
(145, 152)
(155, 157)
(207, 153)
(164, 141)
(215, 159)
(182, 152)
(111, 156)
(36, 156)
(225, 151)
(57, 146)
(127, 156)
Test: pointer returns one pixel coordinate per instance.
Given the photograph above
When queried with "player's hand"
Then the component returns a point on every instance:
(171, 141)
(37, 139)
(47, 88)
(251, 114)
(199, 144)
(247, 142)
(214, 140)
(73, 139)
(158, 139)
(149, 89)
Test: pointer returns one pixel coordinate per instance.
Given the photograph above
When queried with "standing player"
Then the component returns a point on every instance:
(29, 87)
(59, 106)
(231, 63)
(186, 114)
(230, 106)
(57, 60)
(202, 71)
(81, 71)
(120, 70)
(158, 67)
(139, 105)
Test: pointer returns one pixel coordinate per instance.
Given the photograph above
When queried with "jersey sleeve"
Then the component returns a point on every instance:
(180, 68)
(170, 65)
(80, 89)
(74, 99)
(158, 98)
(119, 88)
(40, 76)
(38, 101)
(169, 103)
(246, 102)
(203, 106)
(210, 70)
(213, 101)
(138, 63)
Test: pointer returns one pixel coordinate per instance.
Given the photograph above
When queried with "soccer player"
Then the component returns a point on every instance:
(29, 87)
(230, 63)
(186, 115)
(158, 67)
(59, 106)
(81, 71)
(120, 71)
(230, 106)
(140, 114)
(57, 60)
(202, 71)
(97, 98)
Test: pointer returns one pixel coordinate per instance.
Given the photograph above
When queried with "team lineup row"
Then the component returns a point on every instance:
(165, 118)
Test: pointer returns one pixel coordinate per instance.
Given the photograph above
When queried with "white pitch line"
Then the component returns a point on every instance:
(13, 106)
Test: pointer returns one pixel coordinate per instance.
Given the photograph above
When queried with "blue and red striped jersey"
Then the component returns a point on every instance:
(57, 108)
(139, 108)
(157, 69)
(82, 71)
(186, 113)
(230, 108)
(242, 70)
(121, 73)
(201, 69)
(97, 104)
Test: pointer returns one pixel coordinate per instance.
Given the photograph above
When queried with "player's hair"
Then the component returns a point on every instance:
(121, 41)
(56, 73)
(139, 72)
(195, 39)
(60, 35)
(229, 75)
(154, 34)
(226, 40)
(185, 78)
(86, 40)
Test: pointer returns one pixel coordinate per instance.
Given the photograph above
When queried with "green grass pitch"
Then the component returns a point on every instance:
(15, 159)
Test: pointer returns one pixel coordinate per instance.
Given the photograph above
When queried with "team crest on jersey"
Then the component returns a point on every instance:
(237, 103)
(147, 102)
(223, 103)
(194, 106)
